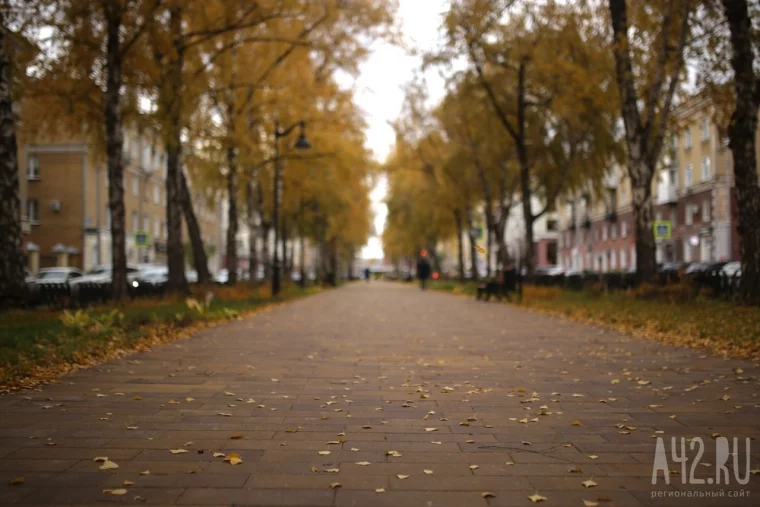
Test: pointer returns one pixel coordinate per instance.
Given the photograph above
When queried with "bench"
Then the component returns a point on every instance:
(500, 287)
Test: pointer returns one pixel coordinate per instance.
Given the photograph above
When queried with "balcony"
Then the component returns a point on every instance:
(611, 216)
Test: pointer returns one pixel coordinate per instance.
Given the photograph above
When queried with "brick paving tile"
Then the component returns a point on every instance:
(488, 397)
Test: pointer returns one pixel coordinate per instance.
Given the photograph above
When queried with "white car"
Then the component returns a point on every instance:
(58, 275)
(101, 275)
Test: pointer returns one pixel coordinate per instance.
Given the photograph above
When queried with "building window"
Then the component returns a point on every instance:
(622, 258)
(551, 225)
(134, 222)
(624, 230)
(686, 252)
(687, 175)
(633, 256)
(135, 186)
(689, 218)
(673, 216)
(687, 140)
(156, 228)
(164, 231)
(108, 217)
(613, 260)
(705, 168)
(706, 210)
(605, 232)
(705, 130)
(658, 216)
(146, 224)
(613, 231)
(33, 210)
(33, 168)
(156, 193)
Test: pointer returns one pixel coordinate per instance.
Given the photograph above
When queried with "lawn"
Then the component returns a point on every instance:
(719, 326)
(38, 345)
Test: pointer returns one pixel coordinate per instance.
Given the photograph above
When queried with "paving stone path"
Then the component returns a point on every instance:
(474, 398)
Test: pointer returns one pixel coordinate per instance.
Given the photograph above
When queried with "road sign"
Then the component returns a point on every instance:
(662, 229)
(142, 238)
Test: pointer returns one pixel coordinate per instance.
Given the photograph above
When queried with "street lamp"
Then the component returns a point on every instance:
(302, 144)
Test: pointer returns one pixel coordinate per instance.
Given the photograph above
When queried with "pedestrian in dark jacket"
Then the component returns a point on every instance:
(423, 269)
(366, 274)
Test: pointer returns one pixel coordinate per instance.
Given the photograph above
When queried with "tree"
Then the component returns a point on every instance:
(543, 77)
(742, 132)
(647, 86)
(12, 285)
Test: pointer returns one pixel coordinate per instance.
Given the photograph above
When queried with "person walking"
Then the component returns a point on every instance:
(423, 269)
(366, 274)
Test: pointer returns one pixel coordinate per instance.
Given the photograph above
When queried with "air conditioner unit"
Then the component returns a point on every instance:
(55, 205)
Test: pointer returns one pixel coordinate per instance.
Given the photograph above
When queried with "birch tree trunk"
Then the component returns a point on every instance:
(114, 148)
(253, 231)
(232, 214)
(460, 244)
(200, 260)
(742, 131)
(172, 99)
(12, 287)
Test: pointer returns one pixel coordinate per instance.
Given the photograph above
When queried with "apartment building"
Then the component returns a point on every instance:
(694, 199)
(64, 192)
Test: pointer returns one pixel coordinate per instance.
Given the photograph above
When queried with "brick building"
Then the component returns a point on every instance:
(64, 193)
(693, 194)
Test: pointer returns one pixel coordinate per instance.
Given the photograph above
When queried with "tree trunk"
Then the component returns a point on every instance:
(172, 99)
(460, 244)
(12, 286)
(742, 131)
(232, 214)
(284, 248)
(200, 260)
(114, 147)
(253, 261)
(473, 250)
(529, 256)
(643, 216)
(266, 261)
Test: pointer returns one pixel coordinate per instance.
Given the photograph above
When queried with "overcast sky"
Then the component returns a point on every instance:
(380, 94)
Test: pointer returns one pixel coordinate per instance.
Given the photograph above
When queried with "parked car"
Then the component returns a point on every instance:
(58, 275)
(702, 268)
(153, 276)
(100, 275)
(732, 269)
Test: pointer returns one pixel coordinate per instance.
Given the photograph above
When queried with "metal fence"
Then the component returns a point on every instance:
(714, 283)
(60, 295)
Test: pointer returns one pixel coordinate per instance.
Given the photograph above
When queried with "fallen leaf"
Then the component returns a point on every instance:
(402, 476)
(219, 454)
(100, 458)
(535, 498)
(589, 503)
(474, 467)
(395, 454)
(509, 463)
(363, 463)
(108, 465)
(431, 429)
(576, 423)
(335, 485)
(145, 472)
(332, 470)
(128, 483)
(434, 442)
(178, 451)
(236, 436)
(488, 494)
(17, 481)
(593, 456)
(323, 453)
(233, 458)
(380, 490)
(120, 491)
(139, 498)
(428, 472)
(589, 483)
(575, 469)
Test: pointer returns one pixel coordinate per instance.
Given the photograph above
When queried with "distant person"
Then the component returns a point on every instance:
(423, 269)
(366, 274)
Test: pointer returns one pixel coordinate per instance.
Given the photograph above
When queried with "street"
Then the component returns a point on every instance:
(377, 394)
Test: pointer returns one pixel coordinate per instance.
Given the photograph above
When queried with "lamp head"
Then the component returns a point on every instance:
(302, 143)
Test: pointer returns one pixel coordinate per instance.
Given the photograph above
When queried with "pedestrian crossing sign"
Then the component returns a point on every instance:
(662, 229)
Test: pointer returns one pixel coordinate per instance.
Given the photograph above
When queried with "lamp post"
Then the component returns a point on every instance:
(302, 144)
